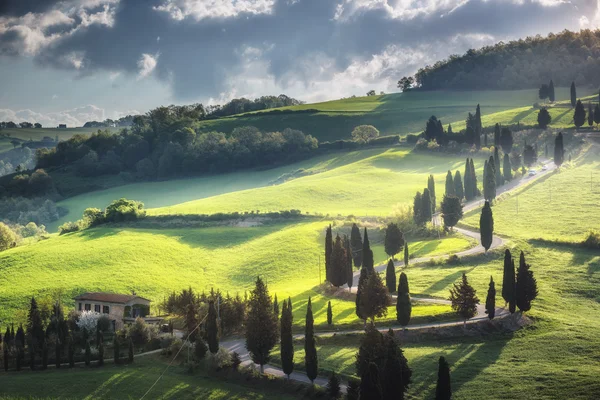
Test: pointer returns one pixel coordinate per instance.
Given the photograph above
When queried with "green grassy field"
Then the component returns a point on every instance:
(565, 206)
(399, 113)
(127, 382)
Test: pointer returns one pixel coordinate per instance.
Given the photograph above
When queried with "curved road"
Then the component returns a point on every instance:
(239, 345)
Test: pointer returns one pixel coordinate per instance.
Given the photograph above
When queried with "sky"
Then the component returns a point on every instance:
(72, 61)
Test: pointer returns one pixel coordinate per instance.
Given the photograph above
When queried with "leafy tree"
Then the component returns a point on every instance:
(434, 130)
(450, 190)
(368, 262)
(403, 305)
(394, 240)
(431, 187)
(551, 95)
(506, 140)
(329, 314)
(544, 118)
(371, 93)
(486, 226)
(559, 151)
(489, 180)
(311, 362)
(328, 251)
(406, 83)
(579, 115)
(374, 298)
(526, 285)
(490, 301)
(364, 133)
(452, 210)
(464, 299)
(287, 340)
(458, 186)
(390, 276)
(356, 245)
(507, 168)
(590, 115)
(261, 325)
(212, 330)
(333, 386)
(543, 93)
(573, 95)
(426, 207)
(443, 389)
(275, 307)
(7, 237)
(405, 254)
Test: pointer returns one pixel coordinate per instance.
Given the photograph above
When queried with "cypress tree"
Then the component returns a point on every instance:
(394, 240)
(597, 114)
(311, 362)
(449, 131)
(287, 341)
(329, 314)
(464, 299)
(526, 285)
(573, 95)
(452, 211)
(275, 307)
(590, 115)
(333, 386)
(490, 301)
(71, 352)
(458, 186)
(450, 190)
(544, 118)
(467, 180)
(130, 352)
(44, 355)
(390, 276)
(356, 246)
(443, 389)
(349, 270)
(328, 251)
(431, 187)
(403, 305)
(261, 325)
(486, 226)
(512, 304)
(579, 115)
(551, 95)
(417, 204)
(212, 329)
(368, 262)
(508, 278)
(5, 357)
(489, 183)
(426, 207)
(507, 168)
(362, 282)
(499, 175)
(101, 354)
(396, 372)
(559, 152)
(405, 254)
(34, 323)
(506, 140)
(475, 191)
(200, 349)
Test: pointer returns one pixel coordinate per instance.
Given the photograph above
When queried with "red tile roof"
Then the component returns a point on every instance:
(108, 297)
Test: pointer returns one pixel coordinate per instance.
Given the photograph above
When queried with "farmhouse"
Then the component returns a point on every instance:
(121, 309)
(62, 126)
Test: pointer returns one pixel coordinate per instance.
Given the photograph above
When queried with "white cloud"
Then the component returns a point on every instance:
(146, 65)
(73, 118)
(201, 9)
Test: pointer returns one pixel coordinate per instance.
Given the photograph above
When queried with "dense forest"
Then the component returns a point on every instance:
(564, 57)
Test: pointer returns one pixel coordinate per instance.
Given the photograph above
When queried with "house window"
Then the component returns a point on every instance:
(88, 307)
(79, 306)
(97, 308)
(105, 310)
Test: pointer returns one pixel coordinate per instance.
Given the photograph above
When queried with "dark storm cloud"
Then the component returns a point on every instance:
(195, 57)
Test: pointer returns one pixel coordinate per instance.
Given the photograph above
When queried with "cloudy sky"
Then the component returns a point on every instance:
(71, 61)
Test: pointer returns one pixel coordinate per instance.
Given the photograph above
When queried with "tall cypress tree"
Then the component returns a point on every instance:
(590, 115)
(479, 126)
(551, 95)
(499, 175)
(467, 180)
(261, 325)
(489, 182)
(443, 389)
(458, 186)
(573, 95)
(333, 386)
(450, 190)
(431, 187)
(512, 304)
(464, 299)
(338, 264)
(579, 115)
(397, 374)
(311, 362)
(356, 246)
(328, 251)
(559, 151)
(526, 285)
(390, 276)
(405, 254)
(362, 282)
(506, 140)
(275, 306)
(329, 314)
(426, 207)
(57, 354)
(486, 226)
(417, 205)
(508, 278)
(507, 168)
(212, 330)
(287, 340)
(490, 301)
(349, 269)
(44, 355)
(35, 327)
(403, 305)
(368, 262)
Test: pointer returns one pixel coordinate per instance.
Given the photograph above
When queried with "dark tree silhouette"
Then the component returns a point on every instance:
(287, 341)
(405, 254)
(590, 116)
(417, 205)
(559, 150)
(333, 386)
(394, 240)
(507, 168)
(464, 299)
(275, 306)
(452, 211)
(390, 276)
(450, 190)
(544, 118)
(349, 269)
(403, 305)
(579, 115)
(443, 389)
(551, 95)
(431, 187)
(506, 140)
(362, 283)
(329, 314)
(490, 301)
(374, 297)
(489, 180)
(338, 264)
(526, 285)
(486, 226)
(311, 362)
(261, 325)
(497, 135)
(426, 207)
(212, 330)
(368, 262)
(573, 95)
(328, 251)
(356, 246)
(497, 167)
(458, 186)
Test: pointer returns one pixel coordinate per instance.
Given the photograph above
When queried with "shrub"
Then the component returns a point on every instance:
(200, 349)
(8, 238)
(139, 332)
(364, 133)
(94, 216)
(124, 210)
(421, 144)
(88, 322)
(103, 323)
(68, 227)
(592, 241)
(412, 139)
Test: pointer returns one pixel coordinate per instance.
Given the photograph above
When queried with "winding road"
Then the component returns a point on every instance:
(239, 345)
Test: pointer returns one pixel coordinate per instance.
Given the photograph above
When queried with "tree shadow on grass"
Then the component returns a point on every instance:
(522, 115)
(446, 281)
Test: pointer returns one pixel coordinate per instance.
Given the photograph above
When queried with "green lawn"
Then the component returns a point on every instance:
(127, 382)
(565, 206)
